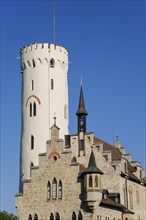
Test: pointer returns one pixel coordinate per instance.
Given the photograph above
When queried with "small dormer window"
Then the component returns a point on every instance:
(52, 63)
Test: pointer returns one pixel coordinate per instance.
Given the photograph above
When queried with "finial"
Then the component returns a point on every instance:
(81, 83)
(117, 137)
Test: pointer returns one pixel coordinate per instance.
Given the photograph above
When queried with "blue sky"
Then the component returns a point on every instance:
(106, 44)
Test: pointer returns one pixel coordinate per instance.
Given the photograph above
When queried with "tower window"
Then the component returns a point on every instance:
(90, 181)
(73, 216)
(52, 63)
(32, 142)
(30, 109)
(34, 109)
(54, 189)
(33, 63)
(31, 165)
(52, 84)
(96, 181)
(60, 190)
(49, 190)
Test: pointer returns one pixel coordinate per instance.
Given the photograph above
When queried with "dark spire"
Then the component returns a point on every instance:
(92, 168)
(81, 109)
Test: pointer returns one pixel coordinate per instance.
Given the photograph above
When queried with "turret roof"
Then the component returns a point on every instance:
(81, 108)
(92, 168)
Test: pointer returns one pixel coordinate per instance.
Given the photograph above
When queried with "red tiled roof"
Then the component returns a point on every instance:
(115, 153)
(110, 202)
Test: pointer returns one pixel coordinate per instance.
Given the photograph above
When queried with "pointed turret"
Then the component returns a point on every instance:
(81, 108)
(92, 168)
(92, 183)
(81, 113)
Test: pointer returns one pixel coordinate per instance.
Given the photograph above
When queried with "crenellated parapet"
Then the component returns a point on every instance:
(36, 54)
(47, 46)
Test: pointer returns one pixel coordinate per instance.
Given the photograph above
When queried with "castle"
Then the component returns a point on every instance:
(69, 176)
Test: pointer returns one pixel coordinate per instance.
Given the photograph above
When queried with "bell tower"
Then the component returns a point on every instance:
(81, 120)
(81, 113)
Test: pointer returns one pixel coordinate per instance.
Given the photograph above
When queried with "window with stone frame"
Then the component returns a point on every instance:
(80, 217)
(35, 217)
(49, 190)
(131, 197)
(54, 189)
(90, 181)
(96, 181)
(74, 216)
(30, 217)
(60, 190)
(57, 216)
(51, 216)
(137, 197)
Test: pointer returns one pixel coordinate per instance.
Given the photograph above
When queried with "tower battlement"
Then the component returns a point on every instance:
(38, 53)
(45, 46)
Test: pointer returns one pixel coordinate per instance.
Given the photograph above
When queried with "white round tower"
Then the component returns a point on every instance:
(44, 70)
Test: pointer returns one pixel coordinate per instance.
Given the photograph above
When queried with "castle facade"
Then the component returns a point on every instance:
(69, 176)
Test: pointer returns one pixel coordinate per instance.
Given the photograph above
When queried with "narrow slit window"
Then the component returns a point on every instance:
(52, 84)
(30, 110)
(32, 142)
(33, 63)
(49, 190)
(34, 109)
(96, 181)
(90, 181)
(60, 190)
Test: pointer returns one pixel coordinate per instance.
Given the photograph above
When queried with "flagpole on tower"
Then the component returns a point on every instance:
(54, 21)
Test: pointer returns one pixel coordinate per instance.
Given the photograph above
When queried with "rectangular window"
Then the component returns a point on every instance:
(52, 84)
(81, 143)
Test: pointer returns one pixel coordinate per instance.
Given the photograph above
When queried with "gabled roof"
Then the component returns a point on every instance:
(92, 168)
